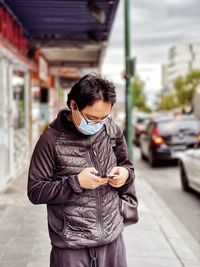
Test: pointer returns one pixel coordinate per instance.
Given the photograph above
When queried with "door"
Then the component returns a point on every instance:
(5, 125)
(194, 168)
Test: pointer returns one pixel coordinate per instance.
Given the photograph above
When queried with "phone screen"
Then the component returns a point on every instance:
(108, 176)
(111, 176)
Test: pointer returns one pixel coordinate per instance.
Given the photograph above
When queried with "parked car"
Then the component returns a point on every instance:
(140, 121)
(139, 128)
(167, 135)
(120, 118)
(190, 169)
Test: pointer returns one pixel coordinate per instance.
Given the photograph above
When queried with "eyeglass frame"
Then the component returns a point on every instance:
(91, 122)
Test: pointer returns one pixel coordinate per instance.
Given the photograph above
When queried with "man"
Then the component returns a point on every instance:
(75, 171)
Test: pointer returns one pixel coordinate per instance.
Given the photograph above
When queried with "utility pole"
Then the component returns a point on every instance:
(129, 130)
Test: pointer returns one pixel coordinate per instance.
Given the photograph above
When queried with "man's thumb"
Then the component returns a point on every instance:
(113, 171)
(93, 170)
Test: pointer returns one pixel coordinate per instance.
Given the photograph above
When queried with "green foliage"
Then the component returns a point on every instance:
(138, 95)
(185, 87)
(168, 102)
(183, 93)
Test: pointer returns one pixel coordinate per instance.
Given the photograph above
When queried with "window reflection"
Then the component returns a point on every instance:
(18, 84)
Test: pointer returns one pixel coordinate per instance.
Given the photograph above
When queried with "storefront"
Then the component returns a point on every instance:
(43, 98)
(14, 115)
(14, 97)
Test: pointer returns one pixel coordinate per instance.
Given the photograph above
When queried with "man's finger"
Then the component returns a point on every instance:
(116, 181)
(99, 180)
(92, 169)
(114, 171)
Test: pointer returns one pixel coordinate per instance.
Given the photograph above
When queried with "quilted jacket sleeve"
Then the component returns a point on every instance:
(123, 159)
(42, 188)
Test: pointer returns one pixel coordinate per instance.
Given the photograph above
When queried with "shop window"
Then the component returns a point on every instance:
(18, 83)
(36, 94)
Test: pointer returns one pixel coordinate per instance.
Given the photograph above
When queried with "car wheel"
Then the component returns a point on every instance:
(143, 157)
(152, 161)
(184, 179)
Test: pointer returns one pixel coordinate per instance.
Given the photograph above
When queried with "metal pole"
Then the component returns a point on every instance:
(129, 136)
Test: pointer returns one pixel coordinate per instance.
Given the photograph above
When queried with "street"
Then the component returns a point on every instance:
(165, 181)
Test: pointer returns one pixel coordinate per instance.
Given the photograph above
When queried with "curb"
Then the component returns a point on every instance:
(183, 244)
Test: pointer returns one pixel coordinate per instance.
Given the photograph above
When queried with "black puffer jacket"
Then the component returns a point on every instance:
(77, 217)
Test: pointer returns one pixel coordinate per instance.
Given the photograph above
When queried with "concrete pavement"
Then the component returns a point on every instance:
(158, 240)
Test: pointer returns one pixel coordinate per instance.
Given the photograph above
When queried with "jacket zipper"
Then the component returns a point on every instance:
(93, 155)
(94, 160)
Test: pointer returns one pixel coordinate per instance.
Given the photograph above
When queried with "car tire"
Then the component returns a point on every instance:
(143, 157)
(184, 179)
(137, 141)
(151, 160)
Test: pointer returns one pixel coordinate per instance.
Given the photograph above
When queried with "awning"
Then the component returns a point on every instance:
(68, 33)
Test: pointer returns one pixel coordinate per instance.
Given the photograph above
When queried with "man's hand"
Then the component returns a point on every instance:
(88, 179)
(121, 174)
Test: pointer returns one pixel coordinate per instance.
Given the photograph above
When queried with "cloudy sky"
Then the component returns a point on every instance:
(155, 27)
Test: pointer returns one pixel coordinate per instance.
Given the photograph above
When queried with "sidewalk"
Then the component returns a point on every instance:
(158, 240)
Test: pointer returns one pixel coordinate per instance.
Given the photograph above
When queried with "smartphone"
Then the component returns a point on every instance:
(110, 176)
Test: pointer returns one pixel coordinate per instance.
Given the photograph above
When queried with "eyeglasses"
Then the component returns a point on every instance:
(92, 122)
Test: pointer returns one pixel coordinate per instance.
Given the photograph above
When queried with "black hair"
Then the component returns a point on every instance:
(91, 88)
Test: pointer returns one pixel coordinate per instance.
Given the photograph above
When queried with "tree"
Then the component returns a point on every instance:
(168, 102)
(183, 93)
(185, 87)
(138, 95)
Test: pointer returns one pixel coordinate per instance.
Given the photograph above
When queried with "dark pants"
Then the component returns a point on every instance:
(111, 255)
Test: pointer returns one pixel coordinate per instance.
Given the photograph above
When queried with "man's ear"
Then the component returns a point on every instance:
(73, 105)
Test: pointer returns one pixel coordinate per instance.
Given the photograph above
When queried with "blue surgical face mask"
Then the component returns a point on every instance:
(89, 129)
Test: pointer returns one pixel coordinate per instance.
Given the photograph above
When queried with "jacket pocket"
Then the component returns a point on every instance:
(79, 225)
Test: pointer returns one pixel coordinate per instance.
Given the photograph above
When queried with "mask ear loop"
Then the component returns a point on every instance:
(74, 117)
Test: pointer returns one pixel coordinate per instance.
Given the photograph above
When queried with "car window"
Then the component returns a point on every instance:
(140, 120)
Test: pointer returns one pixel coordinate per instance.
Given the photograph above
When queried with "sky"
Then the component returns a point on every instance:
(155, 27)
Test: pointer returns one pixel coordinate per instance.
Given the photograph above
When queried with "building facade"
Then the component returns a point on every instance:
(182, 58)
(14, 115)
(14, 98)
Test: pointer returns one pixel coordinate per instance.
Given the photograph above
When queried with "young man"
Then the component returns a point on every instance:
(72, 169)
